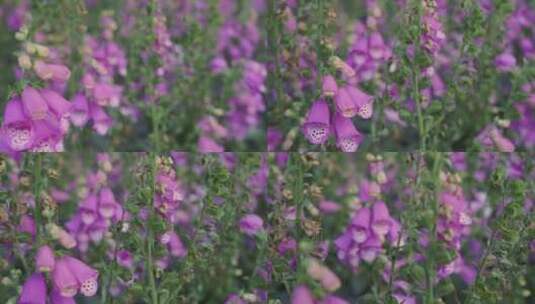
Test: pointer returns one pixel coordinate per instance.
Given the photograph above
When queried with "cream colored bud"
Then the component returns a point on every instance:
(25, 61)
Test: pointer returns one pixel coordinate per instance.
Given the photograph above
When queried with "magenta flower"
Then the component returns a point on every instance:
(208, 145)
(64, 280)
(348, 138)
(34, 105)
(381, 221)
(363, 102)
(125, 259)
(329, 86)
(80, 110)
(316, 127)
(505, 62)
(55, 72)
(17, 130)
(345, 104)
(86, 276)
(108, 205)
(88, 209)
(57, 104)
(33, 290)
(174, 244)
(44, 260)
(251, 224)
(302, 295)
(27, 224)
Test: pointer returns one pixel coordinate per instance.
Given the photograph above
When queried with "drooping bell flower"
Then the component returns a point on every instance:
(208, 145)
(370, 249)
(502, 143)
(44, 260)
(505, 62)
(64, 280)
(101, 120)
(363, 102)
(361, 224)
(345, 104)
(59, 106)
(33, 290)
(55, 72)
(316, 127)
(86, 276)
(329, 86)
(376, 46)
(125, 259)
(80, 110)
(107, 204)
(88, 209)
(17, 130)
(107, 94)
(302, 295)
(97, 230)
(381, 221)
(327, 278)
(48, 135)
(176, 247)
(65, 239)
(174, 244)
(33, 104)
(251, 224)
(348, 138)
(57, 298)
(27, 224)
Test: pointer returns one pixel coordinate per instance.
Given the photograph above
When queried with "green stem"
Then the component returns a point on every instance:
(37, 184)
(150, 233)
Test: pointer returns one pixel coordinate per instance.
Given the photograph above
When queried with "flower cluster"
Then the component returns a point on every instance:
(167, 200)
(455, 219)
(350, 102)
(364, 238)
(104, 60)
(68, 276)
(98, 209)
(37, 121)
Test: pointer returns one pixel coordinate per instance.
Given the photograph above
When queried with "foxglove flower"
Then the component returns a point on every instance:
(86, 276)
(345, 104)
(348, 138)
(251, 224)
(54, 72)
(33, 290)
(362, 101)
(505, 62)
(316, 127)
(44, 260)
(329, 86)
(17, 130)
(302, 295)
(64, 280)
(34, 105)
(80, 110)
(27, 224)
(174, 244)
